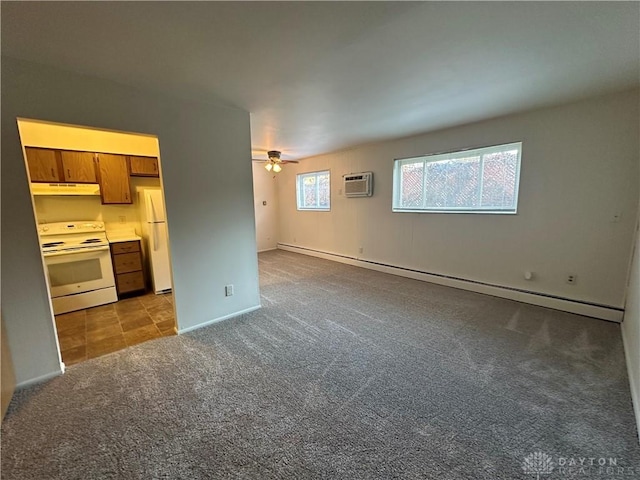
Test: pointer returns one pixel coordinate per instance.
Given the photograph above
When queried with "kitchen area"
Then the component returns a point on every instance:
(99, 208)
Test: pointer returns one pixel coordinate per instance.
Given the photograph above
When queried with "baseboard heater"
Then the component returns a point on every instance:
(588, 309)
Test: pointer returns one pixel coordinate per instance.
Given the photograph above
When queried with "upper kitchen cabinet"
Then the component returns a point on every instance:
(44, 165)
(113, 177)
(78, 167)
(144, 166)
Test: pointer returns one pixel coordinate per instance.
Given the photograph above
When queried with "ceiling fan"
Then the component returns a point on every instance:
(274, 162)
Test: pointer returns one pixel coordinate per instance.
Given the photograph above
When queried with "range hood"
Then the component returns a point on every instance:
(65, 189)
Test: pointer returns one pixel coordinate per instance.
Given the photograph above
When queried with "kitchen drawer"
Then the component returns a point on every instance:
(130, 282)
(127, 262)
(125, 247)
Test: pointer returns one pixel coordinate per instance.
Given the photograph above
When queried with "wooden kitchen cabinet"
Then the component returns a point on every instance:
(113, 177)
(144, 166)
(127, 267)
(78, 167)
(44, 164)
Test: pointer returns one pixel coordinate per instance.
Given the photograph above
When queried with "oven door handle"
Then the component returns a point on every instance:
(73, 252)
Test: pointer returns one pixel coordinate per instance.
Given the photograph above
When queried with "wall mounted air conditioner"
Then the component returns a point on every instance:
(358, 184)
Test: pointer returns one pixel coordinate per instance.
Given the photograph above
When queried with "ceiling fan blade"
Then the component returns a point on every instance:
(289, 161)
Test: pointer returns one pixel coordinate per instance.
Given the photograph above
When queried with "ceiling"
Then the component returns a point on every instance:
(322, 76)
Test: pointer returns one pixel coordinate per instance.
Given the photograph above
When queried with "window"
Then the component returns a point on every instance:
(483, 180)
(313, 191)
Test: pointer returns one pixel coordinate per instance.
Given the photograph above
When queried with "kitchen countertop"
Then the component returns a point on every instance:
(125, 236)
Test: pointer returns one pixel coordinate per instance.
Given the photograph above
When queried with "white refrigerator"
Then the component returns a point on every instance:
(154, 231)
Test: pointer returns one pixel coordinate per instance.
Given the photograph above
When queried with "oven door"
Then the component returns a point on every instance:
(77, 272)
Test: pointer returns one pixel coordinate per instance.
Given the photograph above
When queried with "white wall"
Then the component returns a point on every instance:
(209, 208)
(89, 207)
(265, 190)
(579, 168)
(631, 330)
(77, 137)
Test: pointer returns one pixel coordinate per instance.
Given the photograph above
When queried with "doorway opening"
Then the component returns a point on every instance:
(265, 195)
(98, 202)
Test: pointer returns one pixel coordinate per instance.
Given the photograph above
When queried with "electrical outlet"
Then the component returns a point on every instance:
(360, 250)
(122, 219)
(571, 279)
(228, 290)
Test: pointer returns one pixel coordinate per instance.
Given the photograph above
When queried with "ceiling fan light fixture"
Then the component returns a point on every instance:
(277, 168)
(274, 155)
(268, 166)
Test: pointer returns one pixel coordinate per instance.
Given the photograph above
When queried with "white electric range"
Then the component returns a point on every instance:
(78, 265)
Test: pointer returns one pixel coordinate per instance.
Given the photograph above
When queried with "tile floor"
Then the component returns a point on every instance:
(100, 330)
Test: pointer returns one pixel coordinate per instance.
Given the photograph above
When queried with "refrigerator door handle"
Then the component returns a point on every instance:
(152, 210)
(155, 237)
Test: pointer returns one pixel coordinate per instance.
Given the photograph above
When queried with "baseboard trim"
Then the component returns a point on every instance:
(219, 319)
(268, 249)
(635, 388)
(40, 379)
(602, 312)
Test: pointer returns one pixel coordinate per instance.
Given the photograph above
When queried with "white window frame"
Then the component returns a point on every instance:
(397, 180)
(299, 191)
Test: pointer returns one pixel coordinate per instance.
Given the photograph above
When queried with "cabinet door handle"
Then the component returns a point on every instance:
(53, 173)
(69, 172)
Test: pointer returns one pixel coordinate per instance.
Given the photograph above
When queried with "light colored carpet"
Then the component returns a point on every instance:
(344, 373)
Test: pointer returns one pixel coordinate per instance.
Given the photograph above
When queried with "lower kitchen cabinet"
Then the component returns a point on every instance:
(127, 267)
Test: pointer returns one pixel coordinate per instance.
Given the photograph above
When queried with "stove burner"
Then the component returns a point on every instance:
(92, 240)
(52, 244)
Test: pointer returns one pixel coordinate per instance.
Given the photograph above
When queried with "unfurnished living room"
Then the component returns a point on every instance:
(397, 240)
